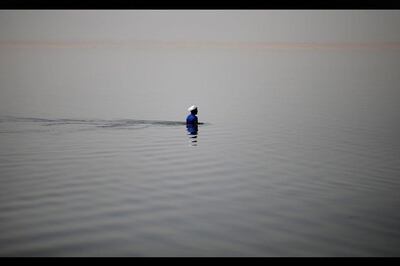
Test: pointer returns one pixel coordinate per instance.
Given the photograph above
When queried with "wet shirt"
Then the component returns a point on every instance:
(191, 119)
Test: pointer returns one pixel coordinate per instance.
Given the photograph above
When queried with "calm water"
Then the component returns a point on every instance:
(299, 154)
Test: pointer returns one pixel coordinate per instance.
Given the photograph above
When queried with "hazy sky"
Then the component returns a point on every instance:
(130, 83)
(201, 25)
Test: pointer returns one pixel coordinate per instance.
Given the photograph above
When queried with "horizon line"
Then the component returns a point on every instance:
(200, 44)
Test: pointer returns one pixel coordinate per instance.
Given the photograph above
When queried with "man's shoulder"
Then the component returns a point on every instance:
(191, 117)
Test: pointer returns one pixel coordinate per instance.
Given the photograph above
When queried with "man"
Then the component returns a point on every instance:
(192, 118)
(192, 121)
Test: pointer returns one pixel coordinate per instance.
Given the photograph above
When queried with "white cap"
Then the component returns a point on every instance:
(191, 108)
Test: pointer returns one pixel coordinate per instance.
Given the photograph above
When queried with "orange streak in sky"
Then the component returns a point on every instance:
(200, 44)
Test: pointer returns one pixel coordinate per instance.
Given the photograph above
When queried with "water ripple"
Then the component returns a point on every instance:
(240, 192)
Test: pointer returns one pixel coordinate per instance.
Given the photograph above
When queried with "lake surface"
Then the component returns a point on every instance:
(299, 154)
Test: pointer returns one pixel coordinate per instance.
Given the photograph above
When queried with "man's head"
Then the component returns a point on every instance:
(193, 109)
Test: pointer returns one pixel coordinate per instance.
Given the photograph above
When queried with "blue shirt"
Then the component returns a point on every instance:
(191, 119)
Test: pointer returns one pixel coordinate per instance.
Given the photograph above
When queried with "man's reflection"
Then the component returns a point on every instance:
(192, 130)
